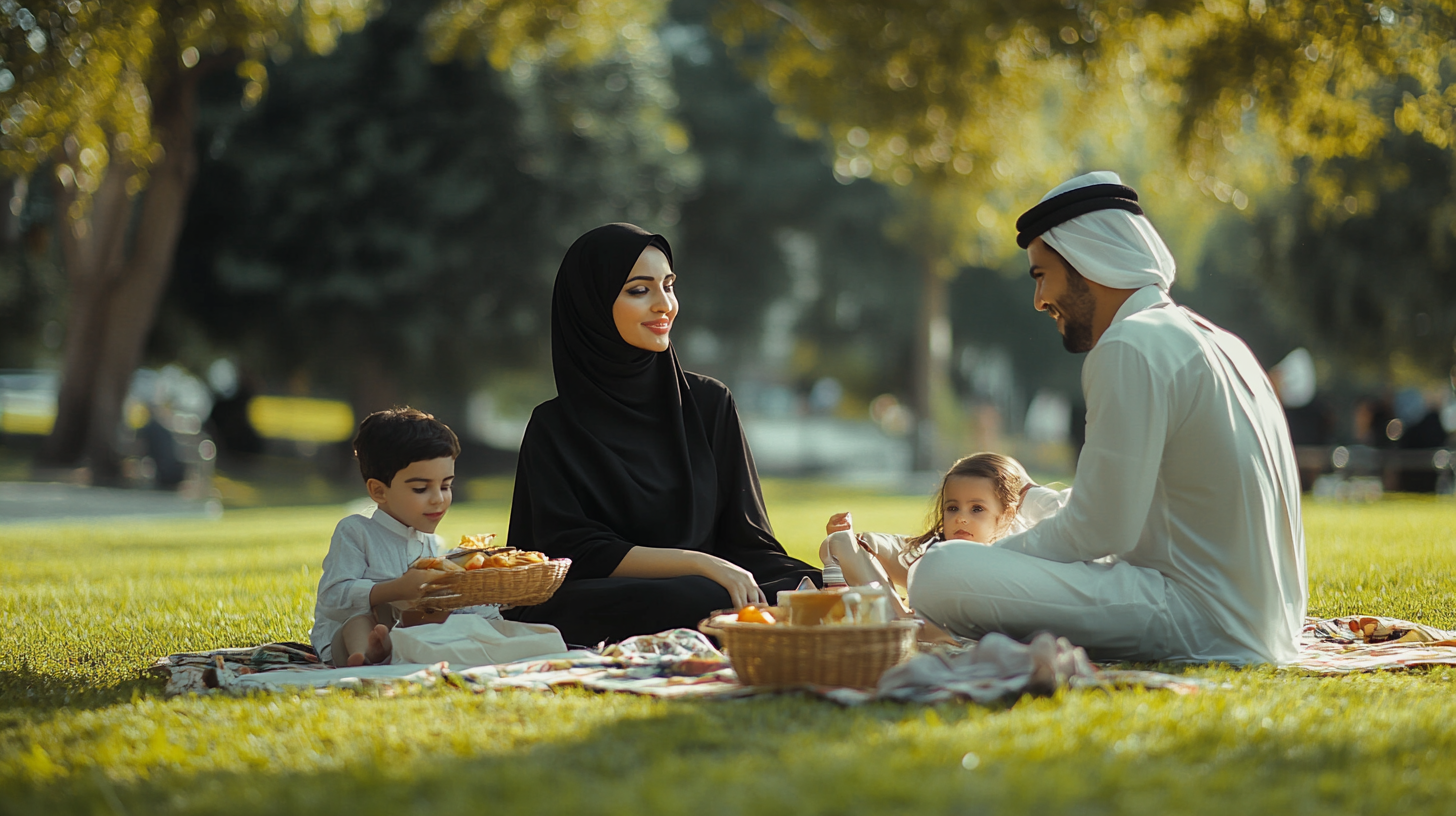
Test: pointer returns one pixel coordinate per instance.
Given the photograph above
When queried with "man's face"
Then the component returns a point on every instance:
(1064, 295)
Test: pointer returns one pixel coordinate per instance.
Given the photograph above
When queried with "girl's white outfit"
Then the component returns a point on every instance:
(1038, 503)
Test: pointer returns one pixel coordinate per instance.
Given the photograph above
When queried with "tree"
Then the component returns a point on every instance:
(966, 106)
(1373, 282)
(102, 96)
(375, 202)
(962, 106)
(396, 224)
(774, 251)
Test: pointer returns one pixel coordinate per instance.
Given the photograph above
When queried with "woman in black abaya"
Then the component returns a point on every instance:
(638, 471)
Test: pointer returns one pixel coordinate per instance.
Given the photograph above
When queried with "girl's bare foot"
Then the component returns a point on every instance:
(379, 646)
(356, 659)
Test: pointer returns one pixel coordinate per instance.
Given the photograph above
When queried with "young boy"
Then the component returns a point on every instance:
(407, 459)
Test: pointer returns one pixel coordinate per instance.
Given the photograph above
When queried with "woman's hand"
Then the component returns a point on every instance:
(664, 562)
(740, 583)
(839, 522)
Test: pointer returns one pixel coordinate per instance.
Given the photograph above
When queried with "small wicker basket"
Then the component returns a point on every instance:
(831, 655)
(510, 586)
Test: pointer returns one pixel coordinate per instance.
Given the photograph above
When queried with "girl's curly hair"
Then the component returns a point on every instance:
(1006, 478)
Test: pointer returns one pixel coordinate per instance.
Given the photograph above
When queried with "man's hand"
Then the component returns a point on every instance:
(839, 522)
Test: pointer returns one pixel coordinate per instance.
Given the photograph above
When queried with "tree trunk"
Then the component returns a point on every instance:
(132, 307)
(115, 293)
(930, 364)
(93, 251)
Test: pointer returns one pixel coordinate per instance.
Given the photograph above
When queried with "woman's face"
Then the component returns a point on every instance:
(971, 511)
(646, 306)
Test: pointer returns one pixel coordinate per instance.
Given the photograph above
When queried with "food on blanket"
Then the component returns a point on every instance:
(479, 541)
(755, 614)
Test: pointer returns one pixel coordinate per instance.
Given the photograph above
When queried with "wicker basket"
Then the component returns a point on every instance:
(832, 655)
(511, 586)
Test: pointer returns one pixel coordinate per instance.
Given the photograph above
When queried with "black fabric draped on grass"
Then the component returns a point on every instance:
(633, 452)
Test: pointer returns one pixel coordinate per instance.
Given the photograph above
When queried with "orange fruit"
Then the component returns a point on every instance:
(755, 614)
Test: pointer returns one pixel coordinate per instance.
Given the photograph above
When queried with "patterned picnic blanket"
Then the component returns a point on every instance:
(683, 663)
(672, 664)
(663, 665)
(1366, 643)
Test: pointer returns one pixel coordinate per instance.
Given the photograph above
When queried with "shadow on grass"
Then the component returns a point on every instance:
(29, 692)
(783, 755)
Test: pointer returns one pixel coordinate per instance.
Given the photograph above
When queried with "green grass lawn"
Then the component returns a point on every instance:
(84, 609)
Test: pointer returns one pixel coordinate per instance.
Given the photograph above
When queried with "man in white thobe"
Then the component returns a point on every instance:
(1182, 538)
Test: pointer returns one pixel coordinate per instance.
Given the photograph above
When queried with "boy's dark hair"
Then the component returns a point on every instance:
(390, 441)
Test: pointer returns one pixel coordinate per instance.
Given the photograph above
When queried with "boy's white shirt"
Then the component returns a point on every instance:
(368, 548)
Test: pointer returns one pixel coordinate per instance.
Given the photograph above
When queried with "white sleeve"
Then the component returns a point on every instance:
(1117, 473)
(1041, 503)
(342, 593)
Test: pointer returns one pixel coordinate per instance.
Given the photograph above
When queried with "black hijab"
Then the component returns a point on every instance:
(621, 456)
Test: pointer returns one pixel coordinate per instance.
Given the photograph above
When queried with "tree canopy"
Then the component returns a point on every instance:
(407, 217)
(996, 96)
(963, 109)
(78, 79)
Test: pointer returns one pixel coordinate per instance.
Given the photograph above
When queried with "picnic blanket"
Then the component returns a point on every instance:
(683, 663)
(672, 664)
(1366, 643)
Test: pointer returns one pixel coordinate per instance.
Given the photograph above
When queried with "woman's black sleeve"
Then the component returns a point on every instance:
(546, 514)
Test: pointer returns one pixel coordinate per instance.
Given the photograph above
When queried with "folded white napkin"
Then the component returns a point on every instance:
(470, 640)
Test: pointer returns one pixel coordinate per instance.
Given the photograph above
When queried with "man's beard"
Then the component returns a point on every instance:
(1077, 307)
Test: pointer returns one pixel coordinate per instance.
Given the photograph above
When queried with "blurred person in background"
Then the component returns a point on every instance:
(1311, 421)
(1419, 415)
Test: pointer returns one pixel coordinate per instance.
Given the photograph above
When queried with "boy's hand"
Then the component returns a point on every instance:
(407, 587)
(416, 582)
(838, 522)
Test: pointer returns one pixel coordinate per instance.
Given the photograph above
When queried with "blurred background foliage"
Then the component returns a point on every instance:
(366, 201)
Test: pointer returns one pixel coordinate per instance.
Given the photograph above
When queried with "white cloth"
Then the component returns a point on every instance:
(366, 549)
(996, 667)
(1187, 497)
(1116, 248)
(470, 640)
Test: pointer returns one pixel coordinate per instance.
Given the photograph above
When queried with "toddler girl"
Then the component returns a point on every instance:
(982, 498)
